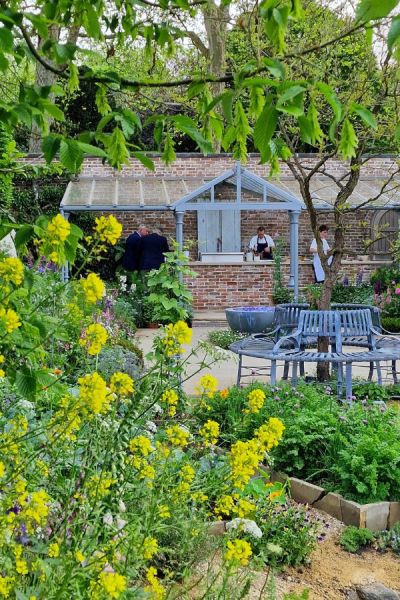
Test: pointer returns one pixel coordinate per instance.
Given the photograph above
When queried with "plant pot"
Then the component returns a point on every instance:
(250, 319)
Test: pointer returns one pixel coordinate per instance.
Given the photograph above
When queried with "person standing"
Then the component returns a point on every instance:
(319, 272)
(133, 249)
(153, 247)
(262, 244)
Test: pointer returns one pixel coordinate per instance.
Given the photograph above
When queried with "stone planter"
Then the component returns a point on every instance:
(377, 516)
(250, 319)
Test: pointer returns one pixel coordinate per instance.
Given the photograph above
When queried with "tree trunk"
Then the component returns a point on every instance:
(216, 19)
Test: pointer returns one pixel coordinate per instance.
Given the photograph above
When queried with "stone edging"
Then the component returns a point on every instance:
(377, 516)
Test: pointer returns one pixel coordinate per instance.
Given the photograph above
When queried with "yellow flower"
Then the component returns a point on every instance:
(150, 547)
(108, 229)
(9, 319)
(273, 495)
(96, 337)
(155, 589)
(79, 556)
(2, 469)
(238, 551)
(121, 384)
(98, 486)
(174, 336)
(210, 432)
(93, 288)
(244, 458)
(178, 436)
(224, 393)
(21, 566)
(58, 229)
(141, 445)
(270, 433)
(54, 550)
(164, 511)
(170, 397)
(256, 399)
(224, 505)
(110, 584)
(12, 270)
(6, 585)
(208, 385)
(244, 508)
(94, 393)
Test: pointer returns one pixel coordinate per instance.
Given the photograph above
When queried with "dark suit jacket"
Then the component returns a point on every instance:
(153, 247)
(133, 251)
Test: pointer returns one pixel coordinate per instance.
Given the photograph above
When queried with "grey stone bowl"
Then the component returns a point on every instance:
(250, 319)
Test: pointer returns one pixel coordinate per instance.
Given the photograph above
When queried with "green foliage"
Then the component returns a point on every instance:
(370, 391)
(354, 539)
(353, 450)
(117, 358)
(391, 324)
(281, 294)
(352, 294)
(169, 299)
(295, 596)
(223, 338)
(390, 539)
(7, 150)
(384, 276)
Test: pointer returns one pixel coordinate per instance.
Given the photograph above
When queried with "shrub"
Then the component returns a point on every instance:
(391, 323)
(354, 539)
(116, 358)
(352, 294)
(223, 338)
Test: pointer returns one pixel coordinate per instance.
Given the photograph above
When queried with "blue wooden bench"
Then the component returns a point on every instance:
(286, 320)
(337, 326)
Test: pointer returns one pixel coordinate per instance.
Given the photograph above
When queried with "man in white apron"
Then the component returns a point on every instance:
(262, 244)
(318, 270)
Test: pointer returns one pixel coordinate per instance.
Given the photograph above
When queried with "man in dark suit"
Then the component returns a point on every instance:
(133, 249)
(153, 247)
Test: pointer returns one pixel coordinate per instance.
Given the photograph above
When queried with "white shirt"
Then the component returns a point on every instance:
(266, 239)
(319, 271)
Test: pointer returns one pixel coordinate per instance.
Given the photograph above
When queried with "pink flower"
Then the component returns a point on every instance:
(397, 291)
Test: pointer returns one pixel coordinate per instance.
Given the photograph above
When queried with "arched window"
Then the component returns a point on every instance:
(385, 225)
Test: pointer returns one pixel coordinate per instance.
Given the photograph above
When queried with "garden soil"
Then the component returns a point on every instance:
(334, 572)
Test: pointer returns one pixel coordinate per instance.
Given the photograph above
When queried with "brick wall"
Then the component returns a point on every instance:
(229, 285)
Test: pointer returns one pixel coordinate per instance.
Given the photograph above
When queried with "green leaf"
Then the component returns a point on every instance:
(393, 37)
(3, 63)
(73, 80)
(195, 89)
(188, 126)
(397, 133)
(310, 130)
(50, 147)
(92, 150)
(23, 235)
(101, 102)
(144, 159)
(365, 114)
(257, 102)
(367, 10)
(117, 150)
(332, 99)
(168, 154)
(348, 140)
(264, 129)
(25, 382)
(6, 39)
(92, 22)
(71, 156)
(289, 94)
(275, 67)
(297, 11)
(52, 110)
(64, 53)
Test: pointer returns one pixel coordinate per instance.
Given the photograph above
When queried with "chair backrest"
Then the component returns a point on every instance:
(374, 310)
(287, 317)
(320, 323)
(355, 322)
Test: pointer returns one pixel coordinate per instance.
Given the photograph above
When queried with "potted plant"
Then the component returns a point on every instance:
(280, 293)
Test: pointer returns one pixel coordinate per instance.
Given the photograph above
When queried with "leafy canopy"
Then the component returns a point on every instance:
(260, 96)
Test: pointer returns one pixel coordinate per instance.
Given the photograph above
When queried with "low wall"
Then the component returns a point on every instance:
(222, 285)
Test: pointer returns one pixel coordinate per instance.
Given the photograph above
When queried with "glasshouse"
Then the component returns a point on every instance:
(200, 310)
